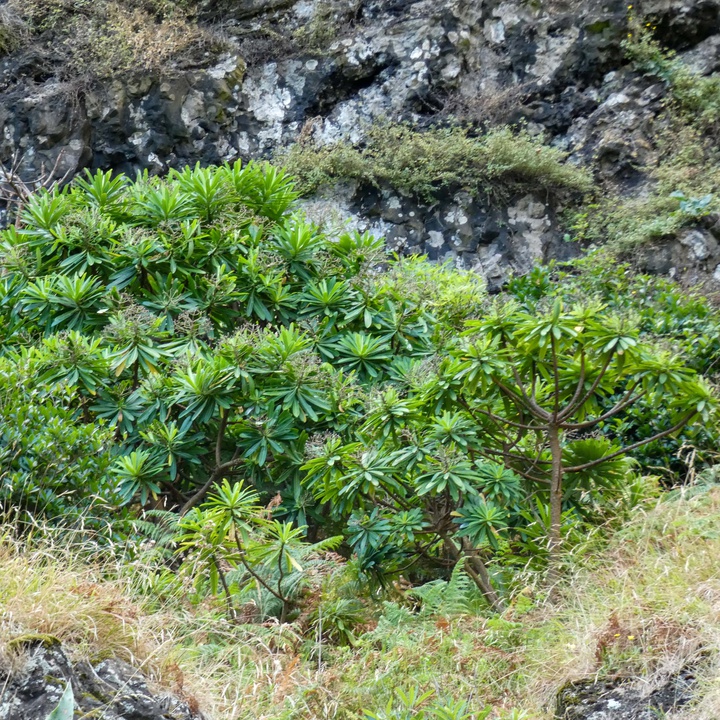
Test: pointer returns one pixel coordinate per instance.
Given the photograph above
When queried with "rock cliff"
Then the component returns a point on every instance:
(327, 70)
(110, 689)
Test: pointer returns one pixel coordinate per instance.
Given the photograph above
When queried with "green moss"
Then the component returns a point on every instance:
(422, 163)
(598, 27)
(321, 30)
(32, 639)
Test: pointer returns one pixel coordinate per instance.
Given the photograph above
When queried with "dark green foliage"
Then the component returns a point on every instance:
(221, 338)
(685, 322)
(198, 323)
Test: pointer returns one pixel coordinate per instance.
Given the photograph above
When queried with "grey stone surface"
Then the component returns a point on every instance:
(625, 699)
(109, 690)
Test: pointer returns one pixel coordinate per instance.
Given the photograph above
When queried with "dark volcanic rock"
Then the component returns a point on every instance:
(109, 690)
(330, 68)
(624, 700)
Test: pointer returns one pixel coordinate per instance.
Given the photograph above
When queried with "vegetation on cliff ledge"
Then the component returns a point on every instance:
(90, 41)
(423, 163)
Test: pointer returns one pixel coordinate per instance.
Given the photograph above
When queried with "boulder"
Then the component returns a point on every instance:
(107, 690)
(624, 699)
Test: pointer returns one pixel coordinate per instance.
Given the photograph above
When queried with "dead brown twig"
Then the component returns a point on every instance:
(15, 191)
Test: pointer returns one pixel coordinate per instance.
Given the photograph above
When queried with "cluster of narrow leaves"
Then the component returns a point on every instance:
(234, 546)
(486, 448)
(210, 328)
(662, 311)
(220, 336)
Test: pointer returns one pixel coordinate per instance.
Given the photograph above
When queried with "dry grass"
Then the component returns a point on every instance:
(647, 606)
(101, 606)
(644, 606)
(498, 106)
(48, 591)
(108, 38)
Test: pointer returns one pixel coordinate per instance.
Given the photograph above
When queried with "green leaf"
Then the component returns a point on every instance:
(65, 709)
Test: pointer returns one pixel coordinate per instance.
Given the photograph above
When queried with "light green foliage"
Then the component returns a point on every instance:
(66, 706)
(686, 189)
(664, 315)
(234, 546)
(200, 323)
(467, 448)
(636, 604)
(424, 163)
(51, 463)
(296, 394)
(414, 705)
(447, 598)
(696, 96)
(685, 176)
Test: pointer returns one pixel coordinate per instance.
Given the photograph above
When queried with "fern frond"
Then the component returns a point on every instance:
(160, 526)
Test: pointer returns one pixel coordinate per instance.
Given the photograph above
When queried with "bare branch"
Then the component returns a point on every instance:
(15, 192)
(625, 402)
(532, 405)
(214, 477)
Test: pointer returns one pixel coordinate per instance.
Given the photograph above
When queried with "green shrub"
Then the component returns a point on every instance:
(665, 315)
(52, 464)
(383, 401)
(696, 96)
(423, 163)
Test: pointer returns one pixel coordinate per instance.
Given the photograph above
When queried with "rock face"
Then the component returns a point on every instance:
(589, 700)
(109, 690)
(327, 69)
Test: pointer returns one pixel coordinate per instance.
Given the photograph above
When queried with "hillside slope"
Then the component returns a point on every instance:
(636, 613)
